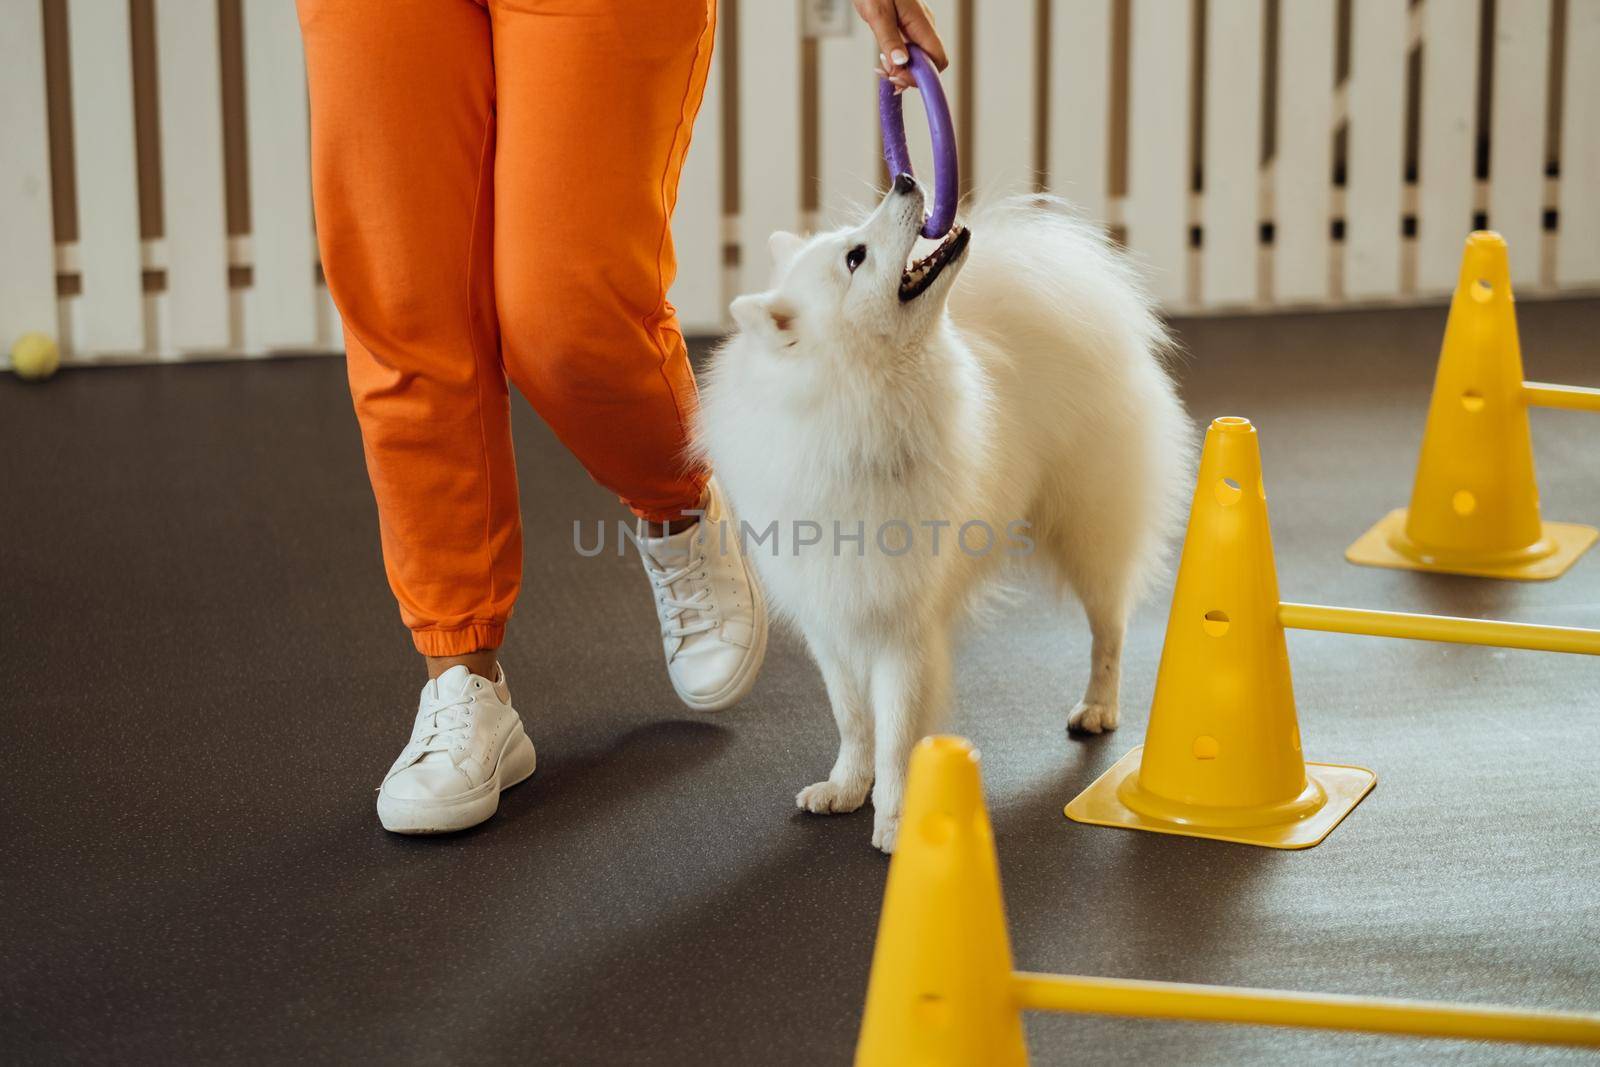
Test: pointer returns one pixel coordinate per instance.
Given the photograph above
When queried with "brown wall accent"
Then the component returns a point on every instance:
(147, 118)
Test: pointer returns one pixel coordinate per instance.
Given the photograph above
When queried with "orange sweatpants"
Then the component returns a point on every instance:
(493, 185)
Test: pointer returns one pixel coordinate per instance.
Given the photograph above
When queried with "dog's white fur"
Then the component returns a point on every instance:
(1030, 390)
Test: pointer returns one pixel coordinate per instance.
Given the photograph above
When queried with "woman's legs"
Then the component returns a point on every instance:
(596, 101)
(403, 149)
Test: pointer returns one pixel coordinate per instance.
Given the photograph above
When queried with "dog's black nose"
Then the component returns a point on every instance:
(904, 183)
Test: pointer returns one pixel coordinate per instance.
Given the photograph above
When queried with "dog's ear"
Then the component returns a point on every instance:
(765, 315)
(784, 246)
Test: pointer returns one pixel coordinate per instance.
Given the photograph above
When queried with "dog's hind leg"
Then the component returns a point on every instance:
(1099, 570)
(845, 788)
(910, 693)
(1097, 711)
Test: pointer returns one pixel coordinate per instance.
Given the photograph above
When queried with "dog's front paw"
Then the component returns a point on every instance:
(831, 797)
(1092, 718)
(884, 830)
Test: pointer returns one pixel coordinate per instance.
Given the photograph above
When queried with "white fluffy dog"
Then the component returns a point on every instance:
(891, 436)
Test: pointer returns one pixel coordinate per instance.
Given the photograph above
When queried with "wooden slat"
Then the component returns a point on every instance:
(849, 147)
(697, 219)
(1231, 214)
(107, 184)
(27, 267)
(1005, 97)
(1516, 131)
(190, 92)
(1158, 143)
(283, 304)
(1578, 246)
(1377, 131)
(1303, 165)
(1445, 177)
(1080, 103)
(769, 134)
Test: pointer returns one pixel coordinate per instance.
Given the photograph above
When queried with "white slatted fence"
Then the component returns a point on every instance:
(192, 176)
(109, 257)
(1578, 243)
(1005, 100)
(1227, 144)
(1446, 183)
(1079, 103)
(769, 134)
(1302, 192)
(698, 233)
(1231, 211)
(1156, 208)
(27, 267)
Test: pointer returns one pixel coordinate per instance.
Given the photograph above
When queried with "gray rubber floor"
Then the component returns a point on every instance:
(204, 678)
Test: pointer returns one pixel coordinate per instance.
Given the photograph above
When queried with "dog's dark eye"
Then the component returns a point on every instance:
(854, 257)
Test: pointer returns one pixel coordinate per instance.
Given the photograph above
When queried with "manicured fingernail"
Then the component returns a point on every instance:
(883, 59)
(900, 57)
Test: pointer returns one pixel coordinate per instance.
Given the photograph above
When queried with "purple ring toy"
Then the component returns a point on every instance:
(946, 181)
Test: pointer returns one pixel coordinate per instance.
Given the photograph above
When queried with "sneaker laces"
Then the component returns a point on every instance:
(449, 725)
(673, 608)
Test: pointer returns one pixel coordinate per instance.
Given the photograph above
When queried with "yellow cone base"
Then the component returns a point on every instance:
(1376, 548)
(1342, 788)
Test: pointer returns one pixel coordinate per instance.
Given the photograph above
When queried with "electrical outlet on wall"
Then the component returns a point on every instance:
(826, 18)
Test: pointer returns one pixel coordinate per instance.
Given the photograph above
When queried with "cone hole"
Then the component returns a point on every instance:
(1464, 503)
(1215, 623)
(1228, 491)
(1472, 400)
(1482, 290)
(1206, 747)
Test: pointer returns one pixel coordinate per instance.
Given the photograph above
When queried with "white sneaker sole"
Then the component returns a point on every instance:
(744, 679)
(449, 814)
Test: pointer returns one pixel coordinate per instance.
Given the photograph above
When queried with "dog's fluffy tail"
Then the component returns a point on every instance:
(1043, 278)
(1042, 245)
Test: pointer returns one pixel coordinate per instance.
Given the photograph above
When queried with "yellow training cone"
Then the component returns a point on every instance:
(941, 989)
(1222, 755)
(1475, 505)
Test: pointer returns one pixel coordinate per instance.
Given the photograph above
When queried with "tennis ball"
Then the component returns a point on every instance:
(35, 357)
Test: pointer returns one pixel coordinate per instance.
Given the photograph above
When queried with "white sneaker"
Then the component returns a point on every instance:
(713, 617)
(467, 745)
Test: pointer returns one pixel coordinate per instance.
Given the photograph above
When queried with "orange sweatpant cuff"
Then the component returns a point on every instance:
(433, 641)
(672, 512)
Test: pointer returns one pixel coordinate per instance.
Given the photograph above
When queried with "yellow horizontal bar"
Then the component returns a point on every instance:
(1440, 628)
(1571, 397)
(1320, 1011)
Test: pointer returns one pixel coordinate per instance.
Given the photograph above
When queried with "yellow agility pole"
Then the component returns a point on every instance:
(1475, 503)
(1571, 397)
(1321, 1011)
(943, 991)
(1440, 628)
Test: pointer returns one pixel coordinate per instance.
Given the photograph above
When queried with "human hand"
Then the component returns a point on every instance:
(893, 23)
